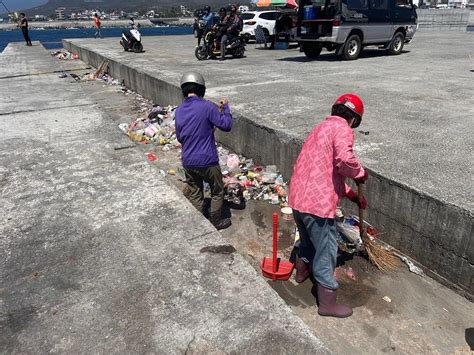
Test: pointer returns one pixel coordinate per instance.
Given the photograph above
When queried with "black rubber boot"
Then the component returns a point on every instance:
(220, 223)
(302, 270)
(223, 223)
(328, 306)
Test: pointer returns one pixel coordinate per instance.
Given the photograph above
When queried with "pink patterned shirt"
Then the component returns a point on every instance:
(326, 159)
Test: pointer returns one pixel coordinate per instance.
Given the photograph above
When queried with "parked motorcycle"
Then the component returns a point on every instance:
(209, 49)
(132, 40)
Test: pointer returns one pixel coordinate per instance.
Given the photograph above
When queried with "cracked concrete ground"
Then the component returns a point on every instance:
(422, 317)
(415, 138)
(99, 253)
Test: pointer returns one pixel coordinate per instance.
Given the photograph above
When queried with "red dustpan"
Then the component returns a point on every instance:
(274, 268)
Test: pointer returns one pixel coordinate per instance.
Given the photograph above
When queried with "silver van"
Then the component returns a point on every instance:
(346, 26)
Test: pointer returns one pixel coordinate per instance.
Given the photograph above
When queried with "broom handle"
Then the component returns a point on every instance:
(275, 238)
(360, 192)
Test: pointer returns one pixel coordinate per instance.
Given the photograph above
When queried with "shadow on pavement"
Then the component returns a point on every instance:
(332, 57)
(470, 336)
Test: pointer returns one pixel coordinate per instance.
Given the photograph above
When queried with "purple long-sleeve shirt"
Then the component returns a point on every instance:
(196, 119)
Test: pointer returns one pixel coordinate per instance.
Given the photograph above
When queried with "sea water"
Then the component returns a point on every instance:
(51, 38)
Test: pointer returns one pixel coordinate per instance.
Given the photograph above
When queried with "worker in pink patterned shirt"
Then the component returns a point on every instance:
(317, 185)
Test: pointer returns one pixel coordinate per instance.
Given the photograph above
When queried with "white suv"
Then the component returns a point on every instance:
(252, 19)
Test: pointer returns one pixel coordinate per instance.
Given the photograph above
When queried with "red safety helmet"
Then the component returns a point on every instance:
(353, 103)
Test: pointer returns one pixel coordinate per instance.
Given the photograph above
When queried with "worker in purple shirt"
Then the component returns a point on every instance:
(196, 120)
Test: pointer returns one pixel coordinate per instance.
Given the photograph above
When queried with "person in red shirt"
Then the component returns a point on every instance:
(97, 25)
(317, 185)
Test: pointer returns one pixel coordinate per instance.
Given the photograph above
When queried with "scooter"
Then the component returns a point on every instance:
(209, 50)
(132, 40)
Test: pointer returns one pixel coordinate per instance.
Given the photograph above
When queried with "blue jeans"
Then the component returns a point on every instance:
(318, 246)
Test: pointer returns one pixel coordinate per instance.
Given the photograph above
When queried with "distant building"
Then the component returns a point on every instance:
(458, 3)
(152, 14)
(40, 18)
(60, 13)
(184, 11)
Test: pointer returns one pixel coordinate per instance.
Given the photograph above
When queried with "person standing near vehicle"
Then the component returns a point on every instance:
(23, 24)
(317, 185)
(233, 25)
(97, 26)
(196, 120)
(207, 19)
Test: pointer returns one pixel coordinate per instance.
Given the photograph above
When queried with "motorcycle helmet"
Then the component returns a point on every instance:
(355, 105)
(192, 77)
(193, 83)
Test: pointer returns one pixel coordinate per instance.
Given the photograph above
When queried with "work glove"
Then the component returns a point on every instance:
(363, 178)
(351, 195)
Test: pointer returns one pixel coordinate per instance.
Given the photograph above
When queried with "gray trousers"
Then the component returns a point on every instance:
(226, 37)
(223, 44)
(318, 246)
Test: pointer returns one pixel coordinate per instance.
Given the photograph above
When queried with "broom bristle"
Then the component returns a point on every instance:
(382, 258)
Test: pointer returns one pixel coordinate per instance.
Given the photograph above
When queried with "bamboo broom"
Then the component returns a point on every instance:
(382, 258)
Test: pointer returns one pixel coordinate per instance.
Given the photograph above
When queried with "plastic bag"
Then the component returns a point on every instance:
(233, 162)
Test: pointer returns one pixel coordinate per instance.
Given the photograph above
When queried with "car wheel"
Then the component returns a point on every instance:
(352, 48)
(396, 45)
(311, 50)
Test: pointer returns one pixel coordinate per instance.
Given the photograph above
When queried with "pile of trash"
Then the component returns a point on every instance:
(348, 236)
(64, 55)
(244, 179)
(349, 240)
(101, 74)
(105, 78)
(157, 128)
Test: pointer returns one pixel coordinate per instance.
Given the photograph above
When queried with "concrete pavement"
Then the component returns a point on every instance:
(100, 254)
(422, 317)
(416, 135)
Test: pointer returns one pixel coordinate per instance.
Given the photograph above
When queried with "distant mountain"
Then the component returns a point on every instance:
(126, 5)
(16, 5)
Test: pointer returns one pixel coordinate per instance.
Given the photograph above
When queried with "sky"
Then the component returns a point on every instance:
(15, 5)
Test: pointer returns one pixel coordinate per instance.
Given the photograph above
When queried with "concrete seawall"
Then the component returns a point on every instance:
(443, 19)
(435, 232)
